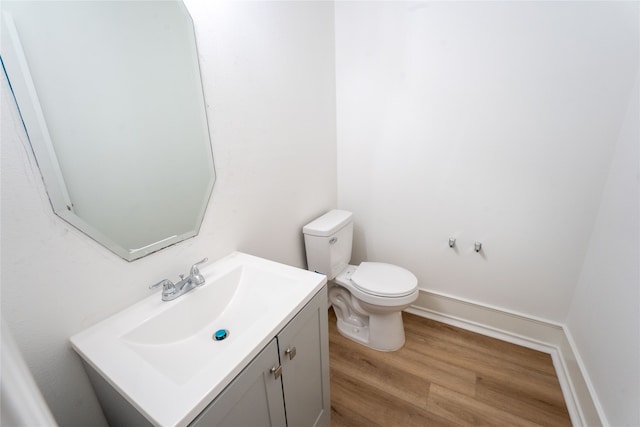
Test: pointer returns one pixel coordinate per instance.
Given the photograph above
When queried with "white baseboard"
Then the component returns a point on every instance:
(538, 334)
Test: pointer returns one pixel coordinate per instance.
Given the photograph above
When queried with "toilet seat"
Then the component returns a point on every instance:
(384, 280)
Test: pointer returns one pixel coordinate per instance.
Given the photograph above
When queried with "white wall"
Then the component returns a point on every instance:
(268, 73)
(604, 319)
(489, 121)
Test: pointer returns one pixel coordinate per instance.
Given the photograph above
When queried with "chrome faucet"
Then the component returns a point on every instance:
(171, 291)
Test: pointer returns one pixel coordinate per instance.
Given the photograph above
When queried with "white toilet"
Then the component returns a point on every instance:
(368, 299)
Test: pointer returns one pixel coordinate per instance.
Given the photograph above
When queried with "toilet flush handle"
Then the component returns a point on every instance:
(333, 240)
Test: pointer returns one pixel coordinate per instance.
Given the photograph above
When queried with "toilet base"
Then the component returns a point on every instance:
(377, 327)
(359, 334)
(385, 332)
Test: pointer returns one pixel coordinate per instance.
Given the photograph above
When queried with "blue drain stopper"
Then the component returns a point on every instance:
(220, 334)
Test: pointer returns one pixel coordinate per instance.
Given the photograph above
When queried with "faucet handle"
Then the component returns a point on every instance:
(168, 287)
(197, 278)
(166, 283)
(194, 267)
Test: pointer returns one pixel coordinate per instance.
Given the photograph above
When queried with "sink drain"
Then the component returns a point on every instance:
(220, 334)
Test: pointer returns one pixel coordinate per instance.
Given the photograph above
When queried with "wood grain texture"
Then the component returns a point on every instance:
(443, 376)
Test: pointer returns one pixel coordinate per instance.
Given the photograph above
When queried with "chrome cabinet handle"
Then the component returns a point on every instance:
(276, 371)
(291, 352)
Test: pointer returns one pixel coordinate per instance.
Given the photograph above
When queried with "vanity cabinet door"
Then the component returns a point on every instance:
(254, 398)
(304, 354)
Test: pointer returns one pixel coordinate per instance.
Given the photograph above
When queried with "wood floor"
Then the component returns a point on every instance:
(443, 376)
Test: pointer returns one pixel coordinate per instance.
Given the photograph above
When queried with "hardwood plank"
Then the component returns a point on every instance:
(355, 404)
(543, 409)
(435, 371)
(466, 411)
(511, 364)
(442, 376)
(439, 334)
(493, 368)
(402, 367)
(376, 372)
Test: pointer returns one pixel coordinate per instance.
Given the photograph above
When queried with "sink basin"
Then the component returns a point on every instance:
(183, 321)
(162, 356)
(179, 340)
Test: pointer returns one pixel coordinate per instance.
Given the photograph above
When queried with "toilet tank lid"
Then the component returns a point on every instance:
(328, 224)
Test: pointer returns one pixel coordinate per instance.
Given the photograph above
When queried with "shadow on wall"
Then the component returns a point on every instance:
(21, 402)
(359, 245)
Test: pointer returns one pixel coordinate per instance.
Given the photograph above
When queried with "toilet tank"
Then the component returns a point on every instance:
(328, 241)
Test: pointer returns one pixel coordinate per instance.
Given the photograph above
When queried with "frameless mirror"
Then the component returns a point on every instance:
(111, 98)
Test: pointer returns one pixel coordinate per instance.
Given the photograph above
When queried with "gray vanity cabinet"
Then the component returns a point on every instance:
(287, 384)
(254, 398)
(304, 355)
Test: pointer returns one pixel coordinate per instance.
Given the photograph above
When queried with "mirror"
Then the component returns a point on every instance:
(111, 98)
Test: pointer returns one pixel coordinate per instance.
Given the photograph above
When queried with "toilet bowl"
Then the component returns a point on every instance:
(368, 299)
(367, 313)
